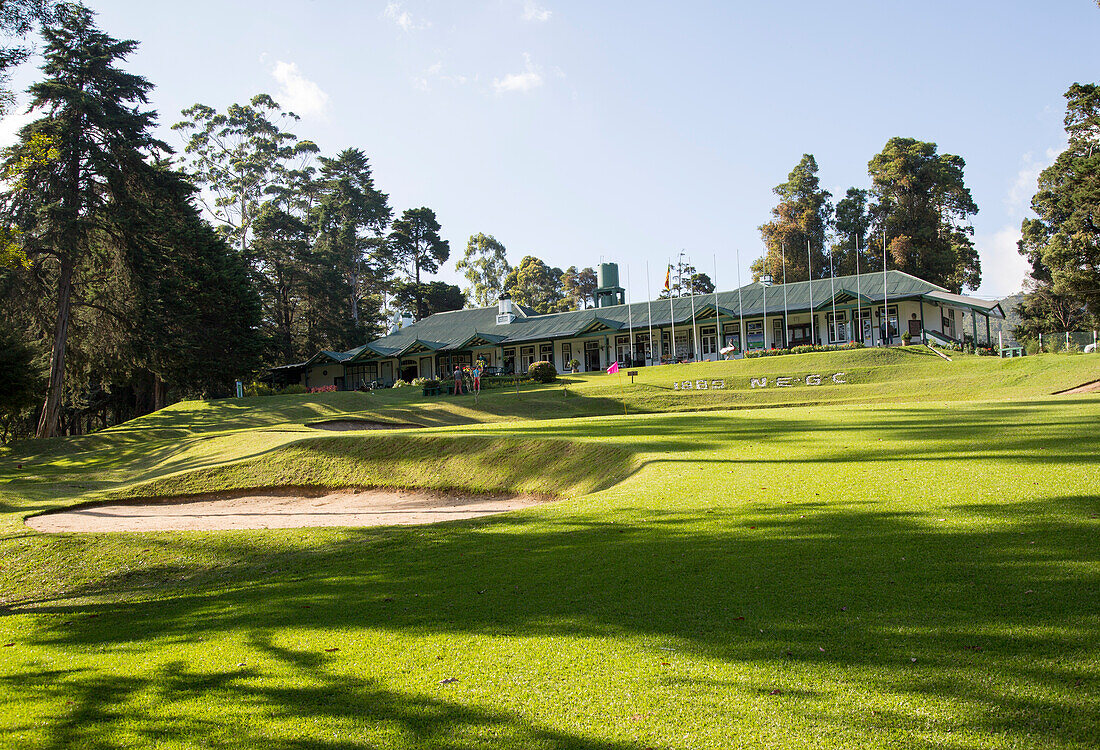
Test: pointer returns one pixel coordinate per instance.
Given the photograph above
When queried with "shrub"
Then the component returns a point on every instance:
(256, 388)
(399, 383)
(503, 381)
(803, 349)
(421, 381)
(986, 351)
(906, 338)
(542, 372)
(323, 389)
(292, 389)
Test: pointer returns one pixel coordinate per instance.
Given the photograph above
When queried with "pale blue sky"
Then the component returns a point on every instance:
(632, 130)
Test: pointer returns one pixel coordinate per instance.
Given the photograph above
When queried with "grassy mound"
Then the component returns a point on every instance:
(444, 462)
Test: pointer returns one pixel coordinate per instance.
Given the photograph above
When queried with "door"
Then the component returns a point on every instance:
(387, 373)
(592, 356)
(778, 342)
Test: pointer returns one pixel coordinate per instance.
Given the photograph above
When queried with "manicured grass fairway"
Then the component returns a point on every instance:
(918, 574)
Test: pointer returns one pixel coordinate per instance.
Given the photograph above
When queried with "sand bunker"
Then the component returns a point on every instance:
(283, 509)
(1092, 387)
(358, 424)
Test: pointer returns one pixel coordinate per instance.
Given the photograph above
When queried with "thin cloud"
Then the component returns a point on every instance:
(533, 12)
(297, 93)
(404, 19)
(12, 124)
(1003, 268)
(1023, 187)
(529, 80)
(436, 74)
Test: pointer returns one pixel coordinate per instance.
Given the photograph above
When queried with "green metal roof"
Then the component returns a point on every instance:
(457, 330)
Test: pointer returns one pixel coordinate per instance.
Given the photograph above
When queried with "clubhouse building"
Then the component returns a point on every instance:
(875, 309)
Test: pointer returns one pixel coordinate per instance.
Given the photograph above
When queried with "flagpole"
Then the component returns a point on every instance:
(786, 325)
(859, 301)
(694, 326)
(717, 316)
(629, 318)
(671, 312)
(649, 310)
(810, 282)
(832, 290)
(740, 311)
(764, 290)
(885, 299)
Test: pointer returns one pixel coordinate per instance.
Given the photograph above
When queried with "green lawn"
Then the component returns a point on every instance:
(859, 570)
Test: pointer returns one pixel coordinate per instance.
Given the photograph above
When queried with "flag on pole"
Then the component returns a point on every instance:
(668, 279)
(613, 369)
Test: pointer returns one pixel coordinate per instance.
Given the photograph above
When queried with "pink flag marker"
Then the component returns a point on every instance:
(613, 369)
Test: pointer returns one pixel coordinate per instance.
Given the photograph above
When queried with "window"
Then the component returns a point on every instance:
(592, 355)
(546, 352)
(666, 346)
(893, 322)
(754, 334)
(509, 360)
(863, 332)
(838, 326)
(622, 350)
(641, 345)
(526, 357)
(708, 343)
(566, 355)
(683, 344)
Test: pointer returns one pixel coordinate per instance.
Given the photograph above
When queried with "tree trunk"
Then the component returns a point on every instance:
(160, 393)
(51, 409)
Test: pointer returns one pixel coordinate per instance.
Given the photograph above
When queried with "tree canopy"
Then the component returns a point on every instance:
(922, 205)
(1063, 243)
(795, 237)
(417, 248)
(485, 265)
(535, 284)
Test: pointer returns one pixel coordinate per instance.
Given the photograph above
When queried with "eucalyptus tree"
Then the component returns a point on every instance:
(416, 247)
(485, 265)
(580, 286)
(95, 134)
(243, 157)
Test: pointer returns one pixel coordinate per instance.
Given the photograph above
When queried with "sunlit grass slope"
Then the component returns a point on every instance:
(919, 572)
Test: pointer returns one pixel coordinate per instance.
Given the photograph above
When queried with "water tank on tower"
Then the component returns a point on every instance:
(608, 292)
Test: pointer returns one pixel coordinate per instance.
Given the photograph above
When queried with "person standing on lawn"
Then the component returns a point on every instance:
(479, 366)
(458, 380)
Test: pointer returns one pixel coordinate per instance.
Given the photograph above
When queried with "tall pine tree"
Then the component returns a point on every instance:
(93, 121)
(801, 222)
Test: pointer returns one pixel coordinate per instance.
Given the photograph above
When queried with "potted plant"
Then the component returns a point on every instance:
(906, 338)
(574, 366)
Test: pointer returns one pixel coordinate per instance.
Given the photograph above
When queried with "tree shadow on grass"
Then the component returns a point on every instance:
(320, 708)
(1004, 619)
